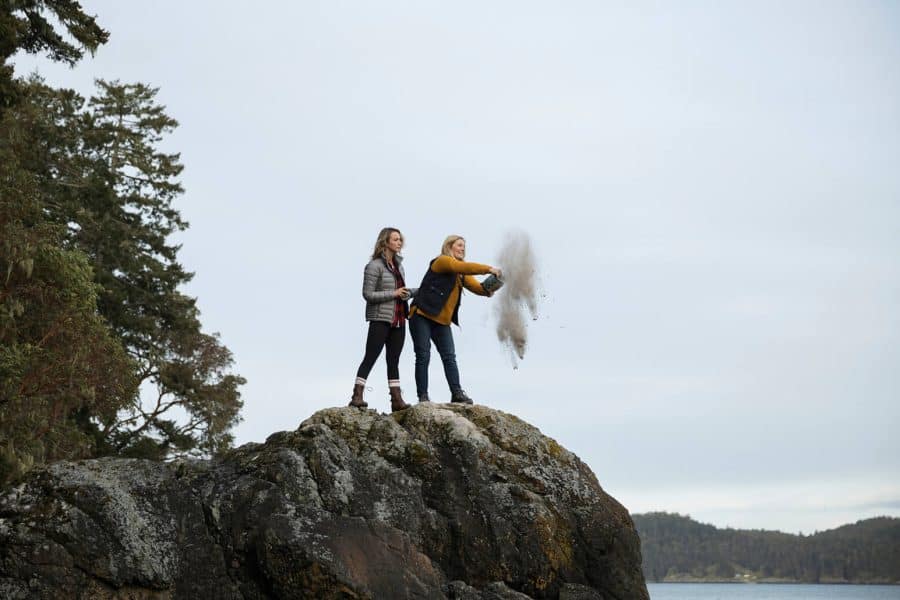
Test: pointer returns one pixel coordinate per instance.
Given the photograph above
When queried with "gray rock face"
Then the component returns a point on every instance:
(438, 501)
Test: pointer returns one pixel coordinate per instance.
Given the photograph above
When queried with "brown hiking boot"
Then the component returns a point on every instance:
(397, 402)
(357, 399)
(460, 397)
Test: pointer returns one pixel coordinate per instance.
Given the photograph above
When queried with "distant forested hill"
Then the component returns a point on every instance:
(677, 548)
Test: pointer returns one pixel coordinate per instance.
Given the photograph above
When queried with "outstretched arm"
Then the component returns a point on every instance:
(448, 264)
(474, 286)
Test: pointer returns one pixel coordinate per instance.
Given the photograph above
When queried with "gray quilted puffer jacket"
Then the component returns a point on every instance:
(379, 287)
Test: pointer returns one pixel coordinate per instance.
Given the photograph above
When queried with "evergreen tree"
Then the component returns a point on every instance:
(106, 181)
(90, 307)
(676, 547)
(63, 375)
(24, 26)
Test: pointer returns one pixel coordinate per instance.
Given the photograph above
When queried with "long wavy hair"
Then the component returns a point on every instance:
(451, 239)
(382, 241)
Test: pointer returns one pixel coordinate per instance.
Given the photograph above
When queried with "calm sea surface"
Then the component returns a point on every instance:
(770, 591)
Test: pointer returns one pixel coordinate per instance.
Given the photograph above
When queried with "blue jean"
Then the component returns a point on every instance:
(423, 331)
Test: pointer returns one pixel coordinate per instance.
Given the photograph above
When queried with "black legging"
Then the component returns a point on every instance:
(381, 334)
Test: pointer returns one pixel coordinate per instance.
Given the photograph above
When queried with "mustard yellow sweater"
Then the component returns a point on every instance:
(448, 264)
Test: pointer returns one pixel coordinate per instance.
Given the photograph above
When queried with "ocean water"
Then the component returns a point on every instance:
(770, 591)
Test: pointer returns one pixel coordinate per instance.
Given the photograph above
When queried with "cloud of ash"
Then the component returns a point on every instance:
(519, 292)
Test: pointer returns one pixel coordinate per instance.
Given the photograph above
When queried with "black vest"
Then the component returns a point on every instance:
(434, 292)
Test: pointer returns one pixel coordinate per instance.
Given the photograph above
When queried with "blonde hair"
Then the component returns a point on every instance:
(448, 242)
(382, 241)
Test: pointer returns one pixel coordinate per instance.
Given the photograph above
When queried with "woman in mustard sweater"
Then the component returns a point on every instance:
(436, 306)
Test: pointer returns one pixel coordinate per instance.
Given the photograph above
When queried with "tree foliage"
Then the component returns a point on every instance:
(112, 189)
(675, 547)
(27, 25)
(62, 372)
(101, 352)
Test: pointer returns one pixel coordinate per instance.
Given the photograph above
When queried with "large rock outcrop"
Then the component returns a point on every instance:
(438, 501)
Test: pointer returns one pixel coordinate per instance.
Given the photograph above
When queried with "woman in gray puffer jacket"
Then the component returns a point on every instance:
(386, 294)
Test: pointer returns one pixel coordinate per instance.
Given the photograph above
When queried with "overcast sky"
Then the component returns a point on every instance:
(712, 189)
